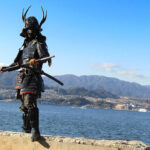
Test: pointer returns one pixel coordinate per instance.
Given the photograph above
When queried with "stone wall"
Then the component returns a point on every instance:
(22, 141)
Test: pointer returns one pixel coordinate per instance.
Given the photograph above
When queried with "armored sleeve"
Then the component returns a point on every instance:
(18, 59)
(42, 50)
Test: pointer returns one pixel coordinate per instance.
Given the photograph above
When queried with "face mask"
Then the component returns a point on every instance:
(31, 34)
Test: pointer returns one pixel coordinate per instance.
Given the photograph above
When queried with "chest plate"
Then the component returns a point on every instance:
(29, 51)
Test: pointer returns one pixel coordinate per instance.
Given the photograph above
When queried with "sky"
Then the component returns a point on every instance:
(88, 37)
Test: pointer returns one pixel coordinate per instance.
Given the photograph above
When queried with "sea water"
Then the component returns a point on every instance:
(81, 122)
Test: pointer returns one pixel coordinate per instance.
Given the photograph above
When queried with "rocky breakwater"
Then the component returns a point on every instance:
(22, 141)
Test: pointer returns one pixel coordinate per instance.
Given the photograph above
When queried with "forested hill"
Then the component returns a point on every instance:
(92, 82)
(80, 91)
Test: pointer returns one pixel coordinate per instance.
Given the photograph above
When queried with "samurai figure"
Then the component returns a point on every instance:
(29, 84)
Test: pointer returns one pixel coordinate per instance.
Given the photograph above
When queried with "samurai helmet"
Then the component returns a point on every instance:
(31, 22)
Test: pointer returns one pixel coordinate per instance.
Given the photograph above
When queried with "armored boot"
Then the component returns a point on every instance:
(26, 123)
(34, 121)
(35, 135)
(26, 119)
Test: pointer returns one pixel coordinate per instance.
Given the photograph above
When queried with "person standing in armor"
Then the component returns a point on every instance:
(29, 84)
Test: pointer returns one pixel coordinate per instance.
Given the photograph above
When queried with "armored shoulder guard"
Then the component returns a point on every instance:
(42, 49)
(18, 57)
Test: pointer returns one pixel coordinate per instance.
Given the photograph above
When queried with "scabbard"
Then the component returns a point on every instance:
(51, 77)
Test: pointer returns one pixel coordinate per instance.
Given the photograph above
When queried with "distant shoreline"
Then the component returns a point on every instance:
(82, 107)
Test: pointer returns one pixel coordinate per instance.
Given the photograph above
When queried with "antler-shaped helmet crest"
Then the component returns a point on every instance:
(43, 18)
(24, 15)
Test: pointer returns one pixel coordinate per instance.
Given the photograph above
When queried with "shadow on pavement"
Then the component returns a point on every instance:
(44, 143)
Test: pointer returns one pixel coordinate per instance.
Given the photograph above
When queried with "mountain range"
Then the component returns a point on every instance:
(89, 82)
(94, 82)
(80, 91)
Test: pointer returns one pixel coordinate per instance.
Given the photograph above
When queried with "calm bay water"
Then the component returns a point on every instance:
(78, 122)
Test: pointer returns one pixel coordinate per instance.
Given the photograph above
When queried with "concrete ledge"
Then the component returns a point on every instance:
(22, 141)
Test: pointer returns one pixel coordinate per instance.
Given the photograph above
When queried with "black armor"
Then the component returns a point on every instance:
(28, 80)
(29, 84)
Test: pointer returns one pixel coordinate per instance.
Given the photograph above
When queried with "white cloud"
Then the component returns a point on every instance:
(119, 70)
(2, 64)
(107, 67)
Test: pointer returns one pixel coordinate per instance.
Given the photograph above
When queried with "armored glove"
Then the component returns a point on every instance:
(1, 69)
(33, 62)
